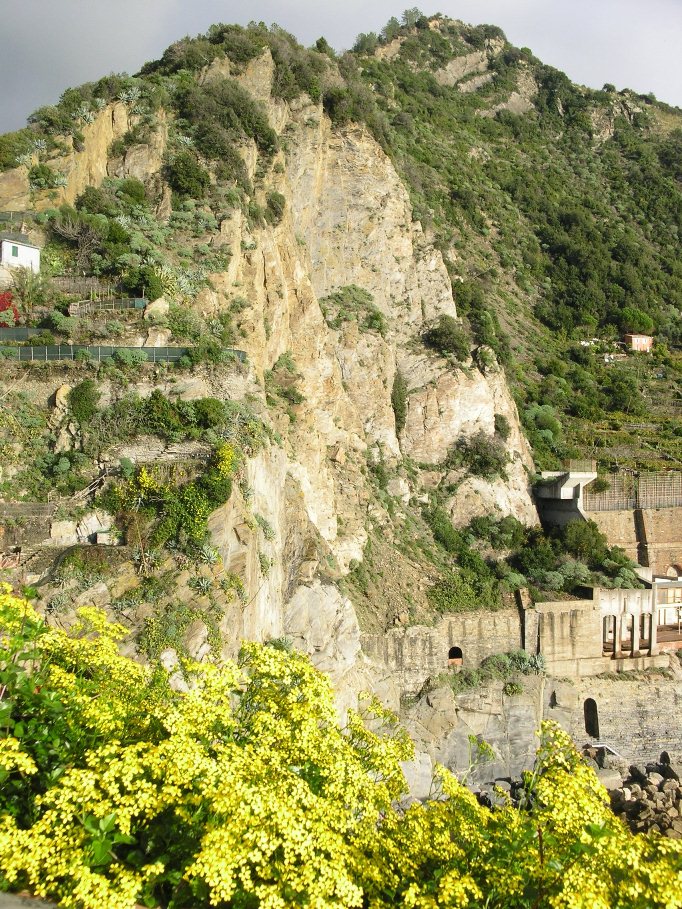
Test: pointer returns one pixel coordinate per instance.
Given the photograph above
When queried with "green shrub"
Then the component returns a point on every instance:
(133, 189)
(501, 533)
(127, 357)
(461, 592)
(274, 208)
(399, 401)
(443, 532)
(210, 413)
(187, 177)
(41, 176)
(585, 541)
(482, 455)
(83, 400)
(448, 338)
(502, 426)
(184, 323)
(13, 146)
(353, 303)
(512, 688)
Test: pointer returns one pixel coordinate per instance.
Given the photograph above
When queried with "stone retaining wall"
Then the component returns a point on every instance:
(419, 652)
(638, 718)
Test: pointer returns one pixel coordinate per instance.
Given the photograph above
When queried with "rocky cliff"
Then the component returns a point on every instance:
(347, 221)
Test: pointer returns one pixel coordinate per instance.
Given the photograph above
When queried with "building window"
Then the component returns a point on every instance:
(15, 251)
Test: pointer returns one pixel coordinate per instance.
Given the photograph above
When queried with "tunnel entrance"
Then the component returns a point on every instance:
(591, 718)
(455, 657)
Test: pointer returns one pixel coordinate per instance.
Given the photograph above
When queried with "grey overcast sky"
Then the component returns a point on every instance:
(49, 45)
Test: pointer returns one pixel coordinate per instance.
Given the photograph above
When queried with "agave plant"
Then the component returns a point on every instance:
(208, 555)
(130, 95)
(84, 113)
(201, 585)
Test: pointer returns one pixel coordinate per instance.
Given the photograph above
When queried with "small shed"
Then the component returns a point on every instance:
(17, 252)
(640, 343)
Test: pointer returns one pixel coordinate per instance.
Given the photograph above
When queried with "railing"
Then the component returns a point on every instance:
(15, 215)
(84, 286)
(26, 509)
(662, 489)
(19, 334)
(581, 466)
(83, 307)
(54, 352)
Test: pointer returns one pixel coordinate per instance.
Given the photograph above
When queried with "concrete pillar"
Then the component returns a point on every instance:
(618, 639)
(654, 624)
(530, 622)
(636, 621)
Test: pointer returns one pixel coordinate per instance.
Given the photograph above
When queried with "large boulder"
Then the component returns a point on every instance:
(156, 310)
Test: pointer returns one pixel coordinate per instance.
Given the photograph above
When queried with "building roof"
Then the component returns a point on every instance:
(637, 334)
(21, 239)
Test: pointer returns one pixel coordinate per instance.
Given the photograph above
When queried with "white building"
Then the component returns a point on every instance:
(17, 252)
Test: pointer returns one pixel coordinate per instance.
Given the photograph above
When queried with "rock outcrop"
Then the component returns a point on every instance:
(347, 221)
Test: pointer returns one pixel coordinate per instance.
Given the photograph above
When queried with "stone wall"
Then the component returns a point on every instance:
(620, 529)
(569, 634)
(652, 536)
(417, 653)
(638, 718)
(24, 523)
(662, 532)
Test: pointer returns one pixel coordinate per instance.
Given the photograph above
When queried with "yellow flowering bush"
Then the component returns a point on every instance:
(226, 459)
(182, 511)
(247, 792)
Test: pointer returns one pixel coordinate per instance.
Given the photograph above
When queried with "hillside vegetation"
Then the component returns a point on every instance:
(558, 208)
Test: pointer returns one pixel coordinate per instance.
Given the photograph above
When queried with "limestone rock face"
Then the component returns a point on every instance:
(81, 168)
(14, 189)
(143, 160)
(323, 623)
(441, 724)
(476, 62)
(91, 524)
(347, 221)
(354, 213)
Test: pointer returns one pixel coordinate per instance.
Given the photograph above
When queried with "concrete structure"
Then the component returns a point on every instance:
(611, 631)
(17, 252)
(560, 496)
(642, 514)
(639, 343)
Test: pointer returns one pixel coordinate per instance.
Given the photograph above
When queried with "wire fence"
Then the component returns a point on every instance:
(18, 334)
(84, 307)
(661, 489)
(53, 352)
(10, 216)
(87, 287)
(581, 465)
